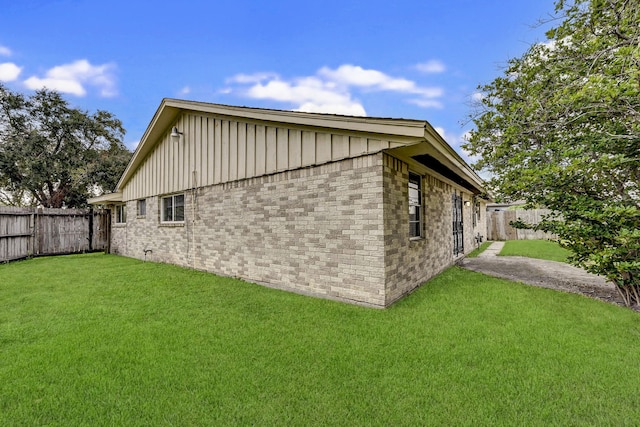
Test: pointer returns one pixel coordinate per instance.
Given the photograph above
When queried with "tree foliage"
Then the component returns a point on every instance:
(54, 155)
(561, 129)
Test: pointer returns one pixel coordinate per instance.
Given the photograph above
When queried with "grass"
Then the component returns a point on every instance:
(104, 340)
(474, 253)
(541, 249)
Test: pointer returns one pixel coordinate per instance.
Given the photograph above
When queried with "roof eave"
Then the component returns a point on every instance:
(106, 199)
(434, 145)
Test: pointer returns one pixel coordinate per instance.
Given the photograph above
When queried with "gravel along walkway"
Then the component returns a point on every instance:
(543, 273)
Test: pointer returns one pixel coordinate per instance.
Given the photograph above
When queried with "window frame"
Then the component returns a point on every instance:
(174, 208)
(121, 213)
(476, 214)
(416, 179)
(141, 203)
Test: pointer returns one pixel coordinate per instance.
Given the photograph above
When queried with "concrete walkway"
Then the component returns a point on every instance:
(492, 251)
(542, 273)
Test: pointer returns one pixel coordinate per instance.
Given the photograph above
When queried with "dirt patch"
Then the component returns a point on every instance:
(546, 274)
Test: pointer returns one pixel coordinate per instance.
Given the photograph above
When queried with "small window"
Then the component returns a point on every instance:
(121, 214)
(173, 208)
(142, 207)
(415, 205)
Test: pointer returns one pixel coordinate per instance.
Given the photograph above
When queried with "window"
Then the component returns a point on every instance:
(142, 207)
(476, 214)
(173, 208)
(121, 214)
(415, 205)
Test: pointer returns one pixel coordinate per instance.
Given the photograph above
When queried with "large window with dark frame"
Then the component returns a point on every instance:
(173, 208)
(415, 205)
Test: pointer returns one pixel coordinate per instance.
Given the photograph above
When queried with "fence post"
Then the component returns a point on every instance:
(37, 247)
(31, 248)
(108, 228)
(91, 229)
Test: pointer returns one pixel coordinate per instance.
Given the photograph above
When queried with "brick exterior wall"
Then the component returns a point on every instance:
(317, 231)
(409, 263)
(339, 230)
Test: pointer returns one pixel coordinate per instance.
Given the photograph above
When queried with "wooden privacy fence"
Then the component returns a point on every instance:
(26, 232)
(498, 227)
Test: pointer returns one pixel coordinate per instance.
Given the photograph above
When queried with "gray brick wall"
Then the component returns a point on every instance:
(410, 263)
(315, 230)
(118, 235)
(339, 230)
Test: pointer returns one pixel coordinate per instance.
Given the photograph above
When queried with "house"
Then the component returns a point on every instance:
(358, 209)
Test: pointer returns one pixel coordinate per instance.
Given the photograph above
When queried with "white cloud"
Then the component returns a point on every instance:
(311, 94)
(330, 90)
(431, 67)
(426, 103)
(303, 90)
(185, 91)
(72, 78)
(64, 86)
(251, 78)
(348, 109)
(9, 72)
(353, 75)
(477, 97)
(5, 51)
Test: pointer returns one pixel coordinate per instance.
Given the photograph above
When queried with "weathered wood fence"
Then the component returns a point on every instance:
(498, 227)
(26, 232)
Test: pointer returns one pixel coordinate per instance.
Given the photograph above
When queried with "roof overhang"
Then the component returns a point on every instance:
(421, 143)
(106, 199)
(434, 153)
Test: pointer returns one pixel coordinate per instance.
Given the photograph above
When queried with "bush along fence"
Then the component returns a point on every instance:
(27, 232)
(499, 228)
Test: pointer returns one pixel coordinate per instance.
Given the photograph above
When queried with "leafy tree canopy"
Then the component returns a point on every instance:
(54, 155)
(561, 129)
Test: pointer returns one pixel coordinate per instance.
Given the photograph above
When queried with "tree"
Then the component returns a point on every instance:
(54, 155)
(561, 129)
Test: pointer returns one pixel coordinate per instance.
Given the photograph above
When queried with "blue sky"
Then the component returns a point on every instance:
(406, 59)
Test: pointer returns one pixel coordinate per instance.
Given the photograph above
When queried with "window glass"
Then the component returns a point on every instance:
(121, 214)
(173, 208)
(167, 204)
(179, 208)
(415, 205)
(142, 207)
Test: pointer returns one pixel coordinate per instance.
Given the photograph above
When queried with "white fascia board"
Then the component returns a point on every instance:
(106, 199)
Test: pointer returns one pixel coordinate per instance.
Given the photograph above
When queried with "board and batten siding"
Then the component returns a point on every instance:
(213, 150)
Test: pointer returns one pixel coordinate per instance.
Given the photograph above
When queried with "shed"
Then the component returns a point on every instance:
(359, 209)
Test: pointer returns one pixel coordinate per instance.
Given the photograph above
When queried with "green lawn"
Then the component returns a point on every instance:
(105, 340)
(541, 249)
